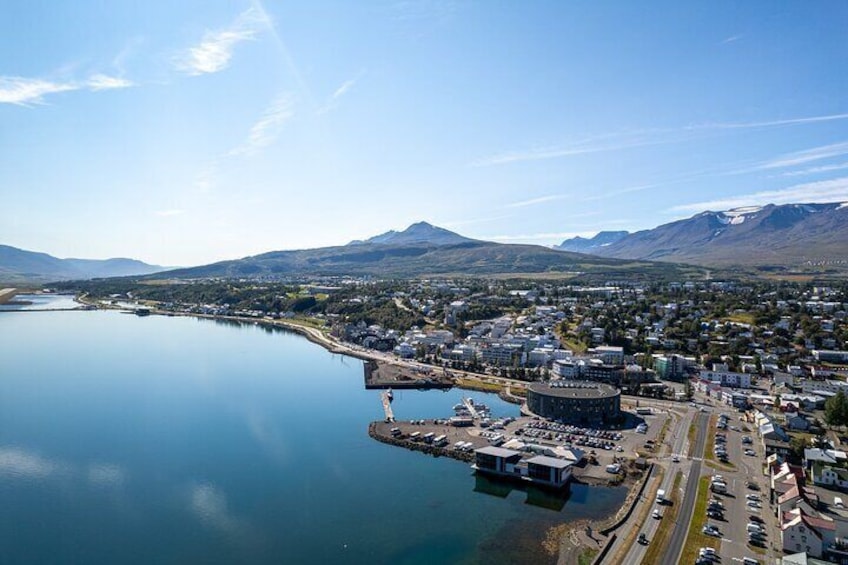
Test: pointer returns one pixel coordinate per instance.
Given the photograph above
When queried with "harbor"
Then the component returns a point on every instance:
(518, 447)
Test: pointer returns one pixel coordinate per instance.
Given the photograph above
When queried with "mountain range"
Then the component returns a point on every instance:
(19, 265)
(789, 237)
(772, 237)
(421, 249)
(590, 245)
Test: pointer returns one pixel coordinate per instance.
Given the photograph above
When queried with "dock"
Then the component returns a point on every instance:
(387, 406)
(469, 405)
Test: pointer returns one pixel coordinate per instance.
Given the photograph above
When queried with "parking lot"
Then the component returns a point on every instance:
(738, 509)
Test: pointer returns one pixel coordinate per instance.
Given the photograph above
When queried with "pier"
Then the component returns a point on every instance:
(387, 406)
(469, 405)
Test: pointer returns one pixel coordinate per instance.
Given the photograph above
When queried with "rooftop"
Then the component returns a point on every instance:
(574, 389)
(550, 462)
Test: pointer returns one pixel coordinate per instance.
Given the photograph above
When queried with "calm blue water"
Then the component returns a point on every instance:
(41, 301)
(176, 440)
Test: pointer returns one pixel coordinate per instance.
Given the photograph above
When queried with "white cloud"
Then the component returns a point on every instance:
(266, 130)
(26, 91)
(806, 156)
(106, 82)
(534, 201)
(214, 52)
(771, 123)
(834, 190)
(816, 170)
(640, 138)
(471, 222)
(554, 152)
(168, 213)
(345, 87)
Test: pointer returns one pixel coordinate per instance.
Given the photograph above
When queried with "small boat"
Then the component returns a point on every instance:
(389, 394)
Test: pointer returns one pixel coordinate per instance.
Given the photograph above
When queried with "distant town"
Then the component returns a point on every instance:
(748, 378)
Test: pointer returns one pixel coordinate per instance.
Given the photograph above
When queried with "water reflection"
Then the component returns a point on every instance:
(543, 498)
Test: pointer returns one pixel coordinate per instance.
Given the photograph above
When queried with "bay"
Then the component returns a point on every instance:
(129, 439)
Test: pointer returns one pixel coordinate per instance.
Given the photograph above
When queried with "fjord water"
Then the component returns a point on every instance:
(129, 439)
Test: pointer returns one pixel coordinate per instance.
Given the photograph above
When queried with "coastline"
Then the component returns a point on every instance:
(566, 541)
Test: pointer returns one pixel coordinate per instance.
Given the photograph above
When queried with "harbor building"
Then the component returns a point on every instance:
(508, 463)
(575, 402)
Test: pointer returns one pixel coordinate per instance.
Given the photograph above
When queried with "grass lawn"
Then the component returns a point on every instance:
(693, 431)
(695, 539)
(474, 384)
(660, 542)
(587, 556)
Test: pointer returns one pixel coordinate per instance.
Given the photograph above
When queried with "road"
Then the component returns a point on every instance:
(636, 554)
(684, 516)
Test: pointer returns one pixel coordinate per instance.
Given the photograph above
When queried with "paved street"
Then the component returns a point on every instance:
(684, 516)
(678, 440)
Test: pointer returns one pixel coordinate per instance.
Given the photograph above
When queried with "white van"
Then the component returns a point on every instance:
(838, 502)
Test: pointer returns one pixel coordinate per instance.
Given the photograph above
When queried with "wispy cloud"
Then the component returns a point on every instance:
(27, 91)
(462, 223)
(344, 88)
(730, 39)
(806, 156)
(534, 201)
(32, 91)
(266, 130)
(617, 141)
(106, 82)
(816, 170)
(619, 192)
(215, 50)
(596, 144)
(833, 190)
(169, 213)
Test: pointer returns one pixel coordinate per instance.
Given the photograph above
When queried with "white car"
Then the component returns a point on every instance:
(657, 514)
(706, 552)
(675, 459)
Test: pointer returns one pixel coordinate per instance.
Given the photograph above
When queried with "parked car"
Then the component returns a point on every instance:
(711, 531)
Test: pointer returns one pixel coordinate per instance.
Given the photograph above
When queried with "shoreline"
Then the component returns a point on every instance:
(565, 541)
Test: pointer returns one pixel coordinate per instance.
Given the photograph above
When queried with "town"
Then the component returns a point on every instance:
(739, 387)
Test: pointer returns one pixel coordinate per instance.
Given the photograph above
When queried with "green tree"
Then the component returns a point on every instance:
(836, 410)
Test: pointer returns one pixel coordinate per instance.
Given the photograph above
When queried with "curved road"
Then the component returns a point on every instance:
(684, 517)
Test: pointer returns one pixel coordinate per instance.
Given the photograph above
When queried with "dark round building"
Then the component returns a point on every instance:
(583, 403)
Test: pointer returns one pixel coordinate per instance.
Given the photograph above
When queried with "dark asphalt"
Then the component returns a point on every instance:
(684, 517)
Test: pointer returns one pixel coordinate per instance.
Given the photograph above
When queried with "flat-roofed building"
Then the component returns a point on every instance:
(575, 402)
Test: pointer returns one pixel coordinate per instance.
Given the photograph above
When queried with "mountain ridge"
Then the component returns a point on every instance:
(775, 236)
(20, 266)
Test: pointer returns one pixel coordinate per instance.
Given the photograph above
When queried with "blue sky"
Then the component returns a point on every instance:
(186, 132)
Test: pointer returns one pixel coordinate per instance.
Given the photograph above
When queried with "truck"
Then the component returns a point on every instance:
(661, 496)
